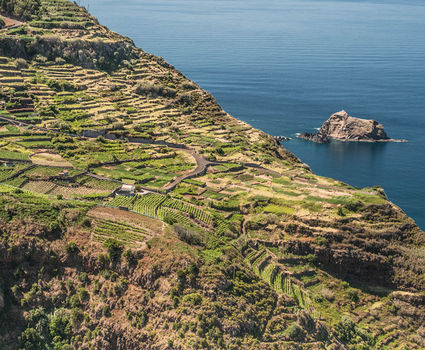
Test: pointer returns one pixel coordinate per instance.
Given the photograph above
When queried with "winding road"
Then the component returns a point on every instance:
(201, 162)
(201, 167)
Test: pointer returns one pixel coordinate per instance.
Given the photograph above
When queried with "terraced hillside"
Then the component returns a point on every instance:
(228, 240)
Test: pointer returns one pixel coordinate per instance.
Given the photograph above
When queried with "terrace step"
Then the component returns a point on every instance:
(61, 69)
(7, 67)
(308, 273)
(257, 256)
(27, 70)
(11, 80)
(40, 92)
(18, 86)
(19, 110)
(59, 75)
(9, 73)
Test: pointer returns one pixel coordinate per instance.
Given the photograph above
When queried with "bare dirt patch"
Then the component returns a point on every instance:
(9, 22)
(45, 158)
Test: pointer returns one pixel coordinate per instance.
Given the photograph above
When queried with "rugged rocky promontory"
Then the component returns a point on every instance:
(341, 126)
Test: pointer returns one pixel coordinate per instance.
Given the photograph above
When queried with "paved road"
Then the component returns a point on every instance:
(201, 167)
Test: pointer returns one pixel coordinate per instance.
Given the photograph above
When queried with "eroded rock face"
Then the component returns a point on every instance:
(341, 126)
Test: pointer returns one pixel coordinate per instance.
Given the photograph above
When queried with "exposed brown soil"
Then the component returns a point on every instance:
(154, 226)
(49, 159)
(10, 22)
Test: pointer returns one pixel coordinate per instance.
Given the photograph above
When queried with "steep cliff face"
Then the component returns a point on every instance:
(95, 54)
(341, 126)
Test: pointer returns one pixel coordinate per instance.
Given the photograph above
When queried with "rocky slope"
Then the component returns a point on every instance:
(255, 252)
(341, 126)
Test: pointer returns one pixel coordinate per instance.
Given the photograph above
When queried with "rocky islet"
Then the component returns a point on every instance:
(343, 127)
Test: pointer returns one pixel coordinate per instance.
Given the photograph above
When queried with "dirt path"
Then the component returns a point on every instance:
(10, 22)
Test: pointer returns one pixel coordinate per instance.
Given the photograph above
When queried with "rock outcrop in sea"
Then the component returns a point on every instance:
(341, 126)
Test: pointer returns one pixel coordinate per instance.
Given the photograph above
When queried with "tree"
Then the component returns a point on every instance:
(115, 249)
(60, 324)
(23, 9)
(30, 339)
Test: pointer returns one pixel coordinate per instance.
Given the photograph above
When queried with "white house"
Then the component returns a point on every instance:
(127, 190)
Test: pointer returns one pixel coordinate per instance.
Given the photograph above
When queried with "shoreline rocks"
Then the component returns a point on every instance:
(341, 126)
(281, 138)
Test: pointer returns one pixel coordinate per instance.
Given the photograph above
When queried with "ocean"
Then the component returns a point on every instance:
(284, 66)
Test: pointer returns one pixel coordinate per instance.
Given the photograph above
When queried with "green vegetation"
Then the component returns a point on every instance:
(148, 204)
(114, 249)
(251, 250)
(24, 9)
(121, 232)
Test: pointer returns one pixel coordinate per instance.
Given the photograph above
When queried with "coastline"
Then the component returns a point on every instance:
(300, 136)
(178, 225)
(287, 114)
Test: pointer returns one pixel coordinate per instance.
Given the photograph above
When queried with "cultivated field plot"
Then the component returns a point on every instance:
(100, 153)
(6, 189)
(148, 204)
(35, 143)
(138, 224)
(95, 183)
(77, 192)
(50, 159)
(167, 209)
(263, 266)
(13, 155)
(45, 172)
(150, 172)
(124, 233)
(200, 215)
(39, 186)
(7, 172)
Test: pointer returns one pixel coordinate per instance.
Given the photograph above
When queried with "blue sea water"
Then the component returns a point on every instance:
(285, 66)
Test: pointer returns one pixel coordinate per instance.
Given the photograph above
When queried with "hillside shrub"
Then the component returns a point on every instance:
(295, 332)
(152, 89)
(30, 339)
(86, 222)
(353, 295)
(115, 249)
(60, 324)
(74, 301)
(23, 9)
(130, 257)
(83, 277)
(21, 63)
(71, 247)
(106, 311)
(187, 236)
(354, 206)
(194, 299)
